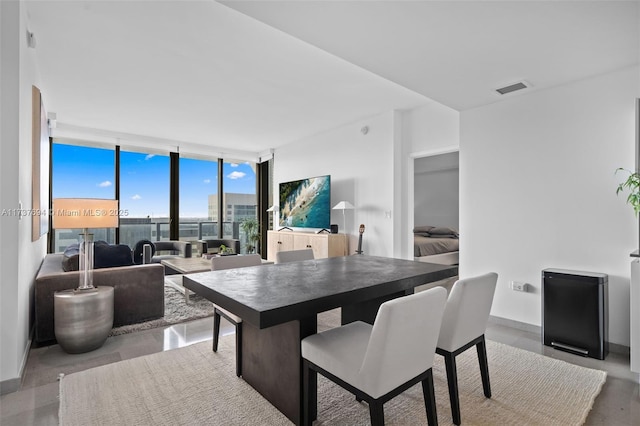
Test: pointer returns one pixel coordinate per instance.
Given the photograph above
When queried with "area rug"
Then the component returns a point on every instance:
(176, 310)
(194, 386)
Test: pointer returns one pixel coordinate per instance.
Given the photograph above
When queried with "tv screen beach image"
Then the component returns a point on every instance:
(306, 203)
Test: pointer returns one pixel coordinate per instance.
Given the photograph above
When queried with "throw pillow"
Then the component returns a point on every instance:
(71, 258)
(111, 255)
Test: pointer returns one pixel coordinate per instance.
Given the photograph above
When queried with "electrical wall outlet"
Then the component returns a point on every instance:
(518, 286)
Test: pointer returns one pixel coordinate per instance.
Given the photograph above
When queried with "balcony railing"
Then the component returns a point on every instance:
(148, 229)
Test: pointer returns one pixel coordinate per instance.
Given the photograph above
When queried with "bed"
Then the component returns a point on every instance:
(436, 245)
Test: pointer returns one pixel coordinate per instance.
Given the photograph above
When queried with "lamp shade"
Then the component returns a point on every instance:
(343, 205)
(78, 213)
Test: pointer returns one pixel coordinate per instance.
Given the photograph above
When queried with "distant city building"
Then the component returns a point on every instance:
(238, 207)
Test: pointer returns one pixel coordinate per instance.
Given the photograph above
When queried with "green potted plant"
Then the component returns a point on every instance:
(632, 184)
(251, 229)
(224, 250)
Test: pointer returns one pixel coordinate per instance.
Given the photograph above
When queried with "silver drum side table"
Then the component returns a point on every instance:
(83, 318)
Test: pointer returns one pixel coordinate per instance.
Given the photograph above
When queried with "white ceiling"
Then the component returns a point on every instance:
(249, 76)
(459, 52)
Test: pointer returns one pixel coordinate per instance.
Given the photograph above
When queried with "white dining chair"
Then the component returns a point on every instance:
(463, 325)
(294, 255)
(230, 262)
(377, 363)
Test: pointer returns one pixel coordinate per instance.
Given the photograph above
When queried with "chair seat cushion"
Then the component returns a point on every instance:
(339, 350)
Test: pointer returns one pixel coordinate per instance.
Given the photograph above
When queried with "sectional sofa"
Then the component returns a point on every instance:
(138, 295)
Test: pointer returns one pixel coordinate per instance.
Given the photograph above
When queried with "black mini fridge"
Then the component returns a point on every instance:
(575, 312)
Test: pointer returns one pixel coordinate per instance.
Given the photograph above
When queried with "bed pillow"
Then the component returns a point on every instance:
(422, 234)
(443, 232)
(422, 229)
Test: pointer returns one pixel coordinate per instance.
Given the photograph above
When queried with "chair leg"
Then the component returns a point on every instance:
(216, 330)
(430, 399)
(481, 347)
(239, 349)
(452, 380)
(376, 411)
(309, 398)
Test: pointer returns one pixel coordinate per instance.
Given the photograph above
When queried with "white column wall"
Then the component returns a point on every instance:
(428, 130)
(20, 258)
(537, 188)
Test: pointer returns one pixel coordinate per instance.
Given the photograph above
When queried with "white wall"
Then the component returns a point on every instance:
(361, 173)
(537, 189)
(436, 190)
(20, 257)
(428, 130)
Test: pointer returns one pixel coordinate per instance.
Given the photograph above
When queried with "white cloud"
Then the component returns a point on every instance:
(236, 175)
(136, 197)
(149, 156)
(207, 181)
(233, 164)
(105, 184)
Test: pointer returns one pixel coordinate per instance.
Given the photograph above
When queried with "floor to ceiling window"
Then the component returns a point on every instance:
(144, 196)
(143, 188)
(81, 172)
(198, 199)
(240, 203)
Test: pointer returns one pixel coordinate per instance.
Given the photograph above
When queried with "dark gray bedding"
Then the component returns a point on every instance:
(428, 246)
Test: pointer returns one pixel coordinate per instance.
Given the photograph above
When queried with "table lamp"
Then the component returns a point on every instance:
(85, 213)
(344, 205)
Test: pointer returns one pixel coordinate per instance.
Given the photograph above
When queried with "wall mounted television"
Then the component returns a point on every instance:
(306, 203)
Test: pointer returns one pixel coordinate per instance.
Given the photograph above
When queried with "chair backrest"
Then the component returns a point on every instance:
(182, 248)
(403, 340)
(294, 255)
(229, 262)
(467, 311)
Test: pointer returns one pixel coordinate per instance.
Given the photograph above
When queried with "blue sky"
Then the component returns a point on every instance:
(144, 180)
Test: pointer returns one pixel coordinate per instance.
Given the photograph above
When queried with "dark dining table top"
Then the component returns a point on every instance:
(267, 295)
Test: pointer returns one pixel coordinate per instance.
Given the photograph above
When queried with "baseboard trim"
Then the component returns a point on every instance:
(613, 347)
(516, 324)
(13, 385)
(10, 386)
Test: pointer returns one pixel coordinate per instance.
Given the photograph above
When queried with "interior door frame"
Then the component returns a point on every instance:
(411, 186)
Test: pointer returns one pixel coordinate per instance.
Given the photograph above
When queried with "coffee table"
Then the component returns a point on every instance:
(184, 265)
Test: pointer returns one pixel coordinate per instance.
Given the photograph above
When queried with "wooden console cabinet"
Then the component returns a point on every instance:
(323, 245)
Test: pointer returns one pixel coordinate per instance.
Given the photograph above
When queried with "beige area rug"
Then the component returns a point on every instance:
(194, 386)
(176, 310)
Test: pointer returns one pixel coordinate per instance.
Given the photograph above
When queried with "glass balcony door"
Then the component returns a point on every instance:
(240, 202)
(81, 172)
(144, 195)
(198, 199)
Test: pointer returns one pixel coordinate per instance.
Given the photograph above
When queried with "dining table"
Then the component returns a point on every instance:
(279, 304)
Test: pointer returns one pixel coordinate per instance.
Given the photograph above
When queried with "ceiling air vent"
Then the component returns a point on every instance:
(512, 88)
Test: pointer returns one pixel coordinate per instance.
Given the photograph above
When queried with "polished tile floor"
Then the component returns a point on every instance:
(36, 403)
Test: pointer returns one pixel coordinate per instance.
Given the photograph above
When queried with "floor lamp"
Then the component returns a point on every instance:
(84, 317)
(344, 205)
